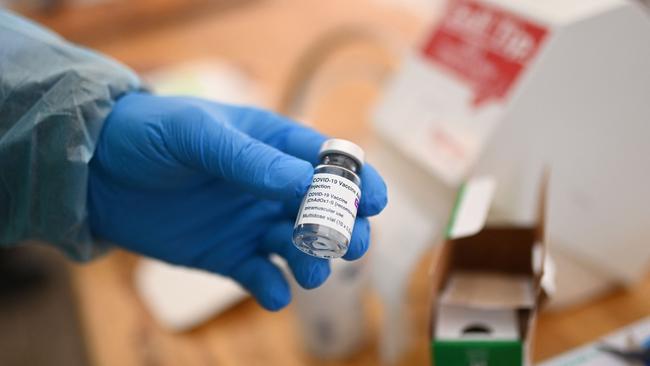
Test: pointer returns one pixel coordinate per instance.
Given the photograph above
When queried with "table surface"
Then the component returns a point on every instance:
(265, 38)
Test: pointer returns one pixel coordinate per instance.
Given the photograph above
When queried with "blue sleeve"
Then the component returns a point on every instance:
(54, 97)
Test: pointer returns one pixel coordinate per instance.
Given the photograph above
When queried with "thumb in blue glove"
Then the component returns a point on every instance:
(214, 187)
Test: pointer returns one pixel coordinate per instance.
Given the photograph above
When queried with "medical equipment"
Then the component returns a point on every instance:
(326, 218)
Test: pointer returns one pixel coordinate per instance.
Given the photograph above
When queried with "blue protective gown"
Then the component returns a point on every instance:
(54, 97)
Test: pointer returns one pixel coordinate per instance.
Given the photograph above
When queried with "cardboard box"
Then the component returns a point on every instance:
(504, 87)
(487, 284)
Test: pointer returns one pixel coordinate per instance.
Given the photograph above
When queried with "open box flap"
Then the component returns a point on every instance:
(472, 206)
(469, 218)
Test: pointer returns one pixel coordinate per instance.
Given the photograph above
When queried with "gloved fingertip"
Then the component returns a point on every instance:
(290, 177)
(264, 281)
(318, 274)
(374, 205)
(276, 298)
(360, 241)
(374, 197)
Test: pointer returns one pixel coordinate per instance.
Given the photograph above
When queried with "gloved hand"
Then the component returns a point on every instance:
(215, 187)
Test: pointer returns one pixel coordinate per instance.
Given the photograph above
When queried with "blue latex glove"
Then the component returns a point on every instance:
(215, 187)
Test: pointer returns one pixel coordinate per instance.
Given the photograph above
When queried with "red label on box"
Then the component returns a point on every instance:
(485, 46)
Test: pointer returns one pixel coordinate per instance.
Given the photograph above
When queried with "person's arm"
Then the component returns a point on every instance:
(54, 98)
(189, 181)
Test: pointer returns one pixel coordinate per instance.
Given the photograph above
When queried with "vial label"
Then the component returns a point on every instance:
(332, 201)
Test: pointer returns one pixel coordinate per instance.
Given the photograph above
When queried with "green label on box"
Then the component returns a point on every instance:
(477, 353)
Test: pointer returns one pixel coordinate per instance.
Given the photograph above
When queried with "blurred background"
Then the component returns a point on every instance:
(358, 70)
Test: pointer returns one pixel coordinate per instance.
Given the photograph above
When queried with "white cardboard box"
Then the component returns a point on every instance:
(487, 284)
(504, 87)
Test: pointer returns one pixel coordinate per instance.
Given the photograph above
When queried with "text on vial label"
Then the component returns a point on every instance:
(332, 201)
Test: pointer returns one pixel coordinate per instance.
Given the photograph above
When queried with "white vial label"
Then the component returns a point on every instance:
(331, 201)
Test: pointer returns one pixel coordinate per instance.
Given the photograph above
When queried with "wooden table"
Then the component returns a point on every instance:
(265, 38)
(120, 331)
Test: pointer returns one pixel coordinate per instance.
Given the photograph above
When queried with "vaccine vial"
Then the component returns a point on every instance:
(326, 217)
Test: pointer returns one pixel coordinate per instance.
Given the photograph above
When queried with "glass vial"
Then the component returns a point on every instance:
(326, 217)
